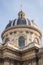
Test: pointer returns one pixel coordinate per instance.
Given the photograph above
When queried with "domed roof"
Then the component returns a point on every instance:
(21, 21)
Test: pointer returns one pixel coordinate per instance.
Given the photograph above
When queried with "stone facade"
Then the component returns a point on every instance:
(32, 56)
(21, 44)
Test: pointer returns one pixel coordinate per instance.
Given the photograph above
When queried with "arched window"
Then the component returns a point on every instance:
(36, 40)
(21, 41)
(7, 39)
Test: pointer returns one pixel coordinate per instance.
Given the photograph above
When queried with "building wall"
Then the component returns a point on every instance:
(29, 35)
(28, 62)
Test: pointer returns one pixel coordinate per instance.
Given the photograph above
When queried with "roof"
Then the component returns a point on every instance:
(21, 21)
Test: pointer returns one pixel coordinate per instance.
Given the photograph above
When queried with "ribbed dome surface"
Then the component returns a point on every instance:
(21, 21)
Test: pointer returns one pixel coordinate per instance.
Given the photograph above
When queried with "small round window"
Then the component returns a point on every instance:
(21, 41)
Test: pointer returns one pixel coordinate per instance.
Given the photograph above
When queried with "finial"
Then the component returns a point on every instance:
(21, 14)
(21, 5)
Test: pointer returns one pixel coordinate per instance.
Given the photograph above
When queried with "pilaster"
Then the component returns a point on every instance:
(7, 62)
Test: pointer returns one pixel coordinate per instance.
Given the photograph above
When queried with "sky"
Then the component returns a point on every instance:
(9, 11)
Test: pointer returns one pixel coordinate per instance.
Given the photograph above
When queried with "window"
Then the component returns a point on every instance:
(15, 32)
(21, 41)
(7, 39)
(36, 40)
(27, 31)
(11, 33)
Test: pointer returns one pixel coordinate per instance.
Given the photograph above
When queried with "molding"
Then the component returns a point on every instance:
(23, 26)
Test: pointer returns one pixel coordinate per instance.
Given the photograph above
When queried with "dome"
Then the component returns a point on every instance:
(21, 33)
(21, 21)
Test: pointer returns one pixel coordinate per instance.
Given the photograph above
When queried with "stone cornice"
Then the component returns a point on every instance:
(17, 55)
(40, 53)
(18, 51)
(29, 27)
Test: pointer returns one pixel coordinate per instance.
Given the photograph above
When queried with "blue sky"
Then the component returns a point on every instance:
(10, 8)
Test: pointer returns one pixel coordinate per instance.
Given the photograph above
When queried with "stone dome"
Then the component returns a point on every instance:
(21, 21)
(21, 33)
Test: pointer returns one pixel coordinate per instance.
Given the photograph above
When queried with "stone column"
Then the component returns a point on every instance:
(12, 62)
(41, 61)
(29, 64)
(34, 62)
(7, 62)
